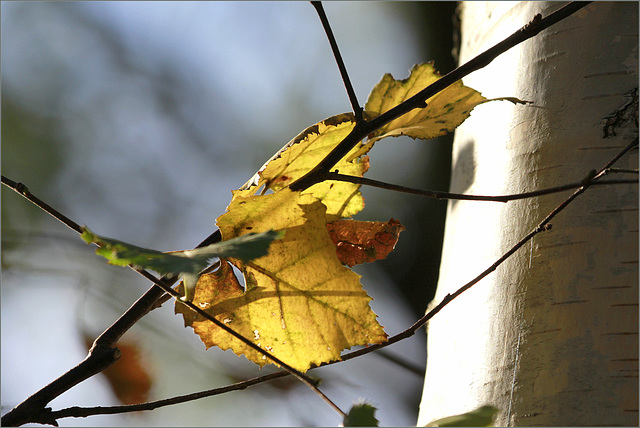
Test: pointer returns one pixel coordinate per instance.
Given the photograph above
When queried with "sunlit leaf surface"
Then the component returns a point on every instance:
(301, 304)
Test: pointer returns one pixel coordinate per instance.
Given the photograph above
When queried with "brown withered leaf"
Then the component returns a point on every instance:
(364, 241)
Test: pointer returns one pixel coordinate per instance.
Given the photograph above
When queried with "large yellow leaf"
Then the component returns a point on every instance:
(303, 153)
(444, 112)
(301, 303)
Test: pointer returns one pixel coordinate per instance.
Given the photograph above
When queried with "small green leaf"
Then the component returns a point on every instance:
(480, 417)
(247, 247)
(361, 415)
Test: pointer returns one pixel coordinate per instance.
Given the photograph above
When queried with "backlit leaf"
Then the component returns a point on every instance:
(364, 241)
(304, 152)
(444, 112)
(301, 304)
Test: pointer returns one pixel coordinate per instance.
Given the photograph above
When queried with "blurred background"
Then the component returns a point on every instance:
(138, 119)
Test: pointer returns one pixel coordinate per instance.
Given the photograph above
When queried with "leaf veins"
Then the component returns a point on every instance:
(443, 113)
(304, 152)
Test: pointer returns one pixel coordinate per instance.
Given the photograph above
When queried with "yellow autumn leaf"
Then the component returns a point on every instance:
(303, 153)
(301, 304)
(444, 112)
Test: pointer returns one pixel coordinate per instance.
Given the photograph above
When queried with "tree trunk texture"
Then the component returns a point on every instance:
(550, 337)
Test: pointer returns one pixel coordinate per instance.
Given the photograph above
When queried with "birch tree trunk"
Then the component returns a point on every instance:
(550, 337)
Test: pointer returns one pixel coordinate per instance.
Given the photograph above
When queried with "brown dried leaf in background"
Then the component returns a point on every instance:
(127, 377)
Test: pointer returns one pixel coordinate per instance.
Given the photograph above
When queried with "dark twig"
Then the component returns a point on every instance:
(83, 412)
(460, 196)
(362, 129)
(355, 105)
(24, 191)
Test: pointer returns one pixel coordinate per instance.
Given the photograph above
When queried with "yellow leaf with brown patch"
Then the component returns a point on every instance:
(301, 304)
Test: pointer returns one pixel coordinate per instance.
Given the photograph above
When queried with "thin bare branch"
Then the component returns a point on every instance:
(24, 191)
(353, 99)
(461, 196)
(620, 171)
(83, 412)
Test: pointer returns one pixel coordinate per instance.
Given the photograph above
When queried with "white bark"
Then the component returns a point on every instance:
(551, 337)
